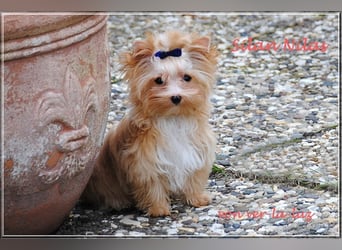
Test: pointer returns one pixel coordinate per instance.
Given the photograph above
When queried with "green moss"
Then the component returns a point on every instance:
(217, 170)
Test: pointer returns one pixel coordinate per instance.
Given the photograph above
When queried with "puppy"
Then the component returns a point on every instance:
(164, 145)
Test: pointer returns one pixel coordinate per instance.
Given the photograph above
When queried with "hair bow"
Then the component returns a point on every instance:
(164, 54)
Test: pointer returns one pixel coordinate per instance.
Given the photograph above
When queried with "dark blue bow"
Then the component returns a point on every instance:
(164, 54)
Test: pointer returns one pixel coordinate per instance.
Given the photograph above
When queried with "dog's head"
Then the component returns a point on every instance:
(170, 74)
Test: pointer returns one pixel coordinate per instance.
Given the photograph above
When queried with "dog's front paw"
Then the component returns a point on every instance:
(158, 210)
(199, 200)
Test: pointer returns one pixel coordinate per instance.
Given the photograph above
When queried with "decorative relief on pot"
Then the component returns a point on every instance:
(56, 97)
(73, 108)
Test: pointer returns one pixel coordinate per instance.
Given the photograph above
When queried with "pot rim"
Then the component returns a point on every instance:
(64, 36)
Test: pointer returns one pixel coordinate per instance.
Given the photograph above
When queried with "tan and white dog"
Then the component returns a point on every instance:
(164, 145)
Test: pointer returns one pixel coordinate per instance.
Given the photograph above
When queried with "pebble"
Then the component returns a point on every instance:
(187, 230)
(217, 229)
(300, 62)
(280, 223)
(142, 219)
(129, 222)
(299, 221)
(279, 194)
(333, 200)
(137, 234)
(321, 230)
(172, 231)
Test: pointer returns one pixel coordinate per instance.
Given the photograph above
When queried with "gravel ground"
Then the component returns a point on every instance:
(276, 119)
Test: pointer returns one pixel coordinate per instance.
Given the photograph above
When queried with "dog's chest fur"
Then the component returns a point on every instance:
(178, 149)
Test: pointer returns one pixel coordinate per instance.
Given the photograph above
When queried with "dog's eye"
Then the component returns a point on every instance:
(159, 80)
(187, 78)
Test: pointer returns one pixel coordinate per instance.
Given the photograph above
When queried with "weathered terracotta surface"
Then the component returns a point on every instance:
(56, 96)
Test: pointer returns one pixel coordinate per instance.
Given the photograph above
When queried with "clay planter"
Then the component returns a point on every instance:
(56, 100)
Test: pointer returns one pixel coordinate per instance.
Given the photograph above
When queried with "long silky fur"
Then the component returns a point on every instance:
(160, 149)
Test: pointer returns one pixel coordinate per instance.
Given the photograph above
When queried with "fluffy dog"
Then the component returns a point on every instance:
(164, 145)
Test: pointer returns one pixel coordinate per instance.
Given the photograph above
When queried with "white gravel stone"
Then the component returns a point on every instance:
(129, 222)
(133, 233)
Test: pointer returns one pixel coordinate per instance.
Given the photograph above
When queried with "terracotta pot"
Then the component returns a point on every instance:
(56, 100)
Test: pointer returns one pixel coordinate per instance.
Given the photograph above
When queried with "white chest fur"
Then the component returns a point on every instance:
(178, 152)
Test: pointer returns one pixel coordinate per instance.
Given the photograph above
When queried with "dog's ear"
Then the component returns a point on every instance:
(126, 61)
(140, 50)
(202, 43)
(143, 48)
(202, 49)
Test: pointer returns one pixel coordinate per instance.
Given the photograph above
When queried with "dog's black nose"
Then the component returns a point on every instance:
(176, 99)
